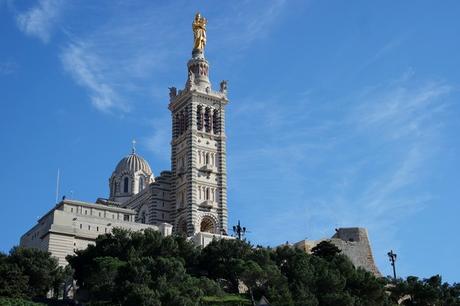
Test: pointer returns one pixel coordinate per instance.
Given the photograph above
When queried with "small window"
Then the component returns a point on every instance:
(71, 209)
(126, 185)
(86, 212)
(105, 230)
(99, 214)
(97, 229)
(125, 217)
(141, 184)
(89, 227)
(81, 226)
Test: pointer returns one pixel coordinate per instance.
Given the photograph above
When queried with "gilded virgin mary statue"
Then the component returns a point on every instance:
(199, 32)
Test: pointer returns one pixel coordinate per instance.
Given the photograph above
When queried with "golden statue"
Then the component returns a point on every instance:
(199, 32)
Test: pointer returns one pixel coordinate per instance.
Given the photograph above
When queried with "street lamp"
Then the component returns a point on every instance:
(239, 231)
(392, 257)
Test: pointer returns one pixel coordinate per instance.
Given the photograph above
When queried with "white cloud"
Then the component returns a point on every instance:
(118, 57)
(86, 69)
(8, 67)
(119, 60)
(40, 20)
(356, 162)
(158, 142)
(244, 22)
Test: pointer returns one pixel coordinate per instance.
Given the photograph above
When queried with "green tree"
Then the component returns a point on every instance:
(13, 283)
(40, 268)
(326, 250)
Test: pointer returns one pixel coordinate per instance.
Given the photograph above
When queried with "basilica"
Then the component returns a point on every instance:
(189, 199)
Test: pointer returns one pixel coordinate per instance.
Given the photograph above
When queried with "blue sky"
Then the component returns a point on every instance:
(342, 113)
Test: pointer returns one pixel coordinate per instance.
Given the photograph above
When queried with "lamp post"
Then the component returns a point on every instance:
(239, 230)
(392, 257)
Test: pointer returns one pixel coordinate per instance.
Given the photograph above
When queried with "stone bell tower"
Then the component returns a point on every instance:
(198, 146)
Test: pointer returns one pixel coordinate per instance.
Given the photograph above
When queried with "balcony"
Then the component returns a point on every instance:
(207, 169)
(207, 204)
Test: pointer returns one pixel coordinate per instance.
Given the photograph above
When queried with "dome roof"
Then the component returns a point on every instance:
(133, 163)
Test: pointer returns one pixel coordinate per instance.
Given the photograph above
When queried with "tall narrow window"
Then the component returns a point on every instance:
(176, 126)
(141, 183)
(143, 219)
(215, 121)
(182, 123)
(199, 117)
(207, 120)
(126, 184)
(207, 158)
(185, 119)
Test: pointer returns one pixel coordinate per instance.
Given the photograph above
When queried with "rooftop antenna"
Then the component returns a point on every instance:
(57, 185)
(134, 146)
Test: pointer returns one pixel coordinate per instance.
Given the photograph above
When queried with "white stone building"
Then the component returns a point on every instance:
(73, 225)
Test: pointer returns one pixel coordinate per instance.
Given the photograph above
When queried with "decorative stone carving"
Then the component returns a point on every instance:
(172, 92)
(223, 86)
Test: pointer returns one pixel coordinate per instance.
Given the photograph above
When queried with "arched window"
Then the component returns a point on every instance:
(207, 120)
(176, 123)
(126, 185)
(207, 225)
(141, 183)
(181, 123)
(215, 121)
(199, 117)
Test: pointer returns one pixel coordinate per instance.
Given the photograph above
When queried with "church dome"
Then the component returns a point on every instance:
(133, 163)
(132, 175)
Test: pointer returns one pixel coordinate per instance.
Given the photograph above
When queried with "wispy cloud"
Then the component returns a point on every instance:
(158, 142)
(362, 166)
(120, 52)
(242, 23)
(39, 21)
(119, 60)
(86, 68)
(8, 67)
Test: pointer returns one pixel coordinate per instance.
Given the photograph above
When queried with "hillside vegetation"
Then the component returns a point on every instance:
(144, 268)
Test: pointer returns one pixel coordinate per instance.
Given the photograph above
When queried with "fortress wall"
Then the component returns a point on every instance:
(353, 242)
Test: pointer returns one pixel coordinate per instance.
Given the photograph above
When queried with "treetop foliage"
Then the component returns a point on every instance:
(144, 268)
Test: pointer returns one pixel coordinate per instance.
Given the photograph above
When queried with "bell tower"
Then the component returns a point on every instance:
(198, 146)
